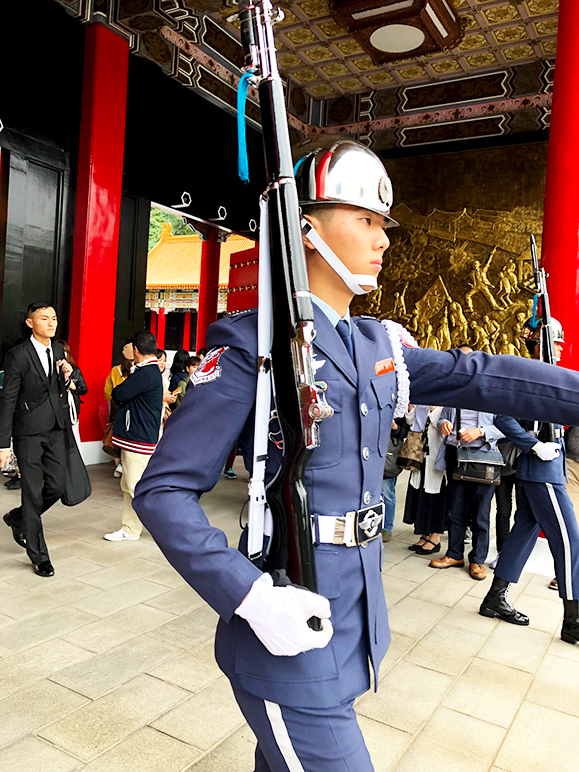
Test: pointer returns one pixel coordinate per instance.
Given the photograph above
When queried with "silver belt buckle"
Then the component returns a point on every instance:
(368, 523)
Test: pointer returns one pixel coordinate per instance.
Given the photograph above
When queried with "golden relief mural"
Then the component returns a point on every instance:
(458, 277)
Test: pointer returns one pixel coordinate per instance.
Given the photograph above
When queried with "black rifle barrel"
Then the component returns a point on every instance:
(547, 432)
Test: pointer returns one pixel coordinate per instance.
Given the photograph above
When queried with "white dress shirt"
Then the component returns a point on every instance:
(41, 350)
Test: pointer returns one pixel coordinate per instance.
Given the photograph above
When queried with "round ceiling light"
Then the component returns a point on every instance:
(397, 38)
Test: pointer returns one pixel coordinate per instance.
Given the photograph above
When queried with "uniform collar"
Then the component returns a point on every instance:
(332, 315)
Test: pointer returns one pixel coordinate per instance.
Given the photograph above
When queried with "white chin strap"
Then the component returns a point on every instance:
(353, 281)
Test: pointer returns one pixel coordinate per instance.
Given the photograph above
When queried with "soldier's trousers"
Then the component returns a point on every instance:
(543, 507)
(304, 739)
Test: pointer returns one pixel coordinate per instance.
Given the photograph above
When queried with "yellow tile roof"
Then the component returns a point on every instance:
(175, 261)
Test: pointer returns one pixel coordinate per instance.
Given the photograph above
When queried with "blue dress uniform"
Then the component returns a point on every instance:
(542, 504)
(301, 707)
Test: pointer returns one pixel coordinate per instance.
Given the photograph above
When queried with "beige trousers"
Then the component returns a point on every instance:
(134, 464)
(573, 484)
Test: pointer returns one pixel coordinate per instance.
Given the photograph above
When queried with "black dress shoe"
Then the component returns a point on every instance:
(423, 551)
(17, 534)
(44, 569)
(13, 484)
(496, 605)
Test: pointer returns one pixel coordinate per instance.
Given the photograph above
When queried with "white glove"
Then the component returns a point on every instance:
(547, 451)
(279, 617)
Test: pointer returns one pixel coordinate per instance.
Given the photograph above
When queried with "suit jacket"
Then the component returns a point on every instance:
(30, 403)
(343, 474)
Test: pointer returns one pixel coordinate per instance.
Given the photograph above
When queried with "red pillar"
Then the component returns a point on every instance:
(187, 331)
(98, 206)
(161, 328)
(208, 286)
(153, 323)
(561, 223)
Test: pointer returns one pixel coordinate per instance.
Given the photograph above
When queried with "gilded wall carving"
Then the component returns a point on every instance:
(459, 277)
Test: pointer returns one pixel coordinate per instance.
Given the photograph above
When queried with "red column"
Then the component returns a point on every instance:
(208, 286)
(153, 324)
(98, 206)
(161, 328)
(561, 223)
(187, 331)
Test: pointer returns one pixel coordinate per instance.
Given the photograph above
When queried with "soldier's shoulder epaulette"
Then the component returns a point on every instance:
(240, 314)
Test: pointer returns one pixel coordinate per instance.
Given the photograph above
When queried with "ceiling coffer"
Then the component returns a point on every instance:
(390, 30)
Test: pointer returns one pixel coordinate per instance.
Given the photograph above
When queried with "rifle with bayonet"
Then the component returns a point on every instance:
(547, 343)
(299, 404)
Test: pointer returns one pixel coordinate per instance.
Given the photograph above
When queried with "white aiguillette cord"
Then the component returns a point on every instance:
(260, 522)
(353, 281)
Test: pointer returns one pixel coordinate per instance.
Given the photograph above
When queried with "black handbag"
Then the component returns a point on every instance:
(476, 465)
(510, 453)
(78, 487)
(397, 437)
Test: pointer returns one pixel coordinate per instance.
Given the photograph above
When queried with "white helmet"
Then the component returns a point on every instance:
(531, 330)
(342, 171)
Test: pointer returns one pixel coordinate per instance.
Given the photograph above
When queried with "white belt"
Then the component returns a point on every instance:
(352, 529)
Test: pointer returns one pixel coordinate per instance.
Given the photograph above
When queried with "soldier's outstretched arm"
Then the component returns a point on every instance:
(188, 461)
(511, 385)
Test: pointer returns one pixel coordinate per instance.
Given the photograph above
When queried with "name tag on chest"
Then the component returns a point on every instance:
(384, 366)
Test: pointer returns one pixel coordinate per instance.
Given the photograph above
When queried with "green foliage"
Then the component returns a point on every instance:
(158, 218)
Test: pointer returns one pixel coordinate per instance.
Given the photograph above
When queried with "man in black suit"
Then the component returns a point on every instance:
(34, 413)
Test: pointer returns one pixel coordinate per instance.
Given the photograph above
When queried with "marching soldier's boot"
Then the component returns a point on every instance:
(570, 629)
(496, 604)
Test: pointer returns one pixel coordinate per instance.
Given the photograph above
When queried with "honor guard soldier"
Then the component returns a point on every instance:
(296, 686)
(542, 504)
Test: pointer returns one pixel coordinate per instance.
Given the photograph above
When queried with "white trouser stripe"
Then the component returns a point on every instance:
(282, 737)
(566, 542)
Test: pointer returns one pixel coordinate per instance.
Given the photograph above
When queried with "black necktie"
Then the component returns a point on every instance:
(49, 362)
(345, 334)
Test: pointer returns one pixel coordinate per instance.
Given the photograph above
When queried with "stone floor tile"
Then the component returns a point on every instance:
(17, 636)
(559, 648)
(556, 685)
(14, 567)
(107, 602)
(453, 742)
(104, 672)
(99, 554)
(395, 552)
(167, 576)
(413, 617)
(145, 751)
(489, 691)
(385, 744)
(540, 740)
(70, 590)
(20, 607)
(465, 616)
(179, 601)
(105, 578)
(516, 646)
(442, 588)
(412, 568)
(190, 629)
(67, 569)
(105, 633)
(538, 586)
(192, 670)
(98, 726)
(395, 589)
(236, 752)
(11, 590)
(33, 755)
(32, 708)
(25, 668)
(205, 718)
(407, 697)
(446, 649)
(399, 645)
(545, 615)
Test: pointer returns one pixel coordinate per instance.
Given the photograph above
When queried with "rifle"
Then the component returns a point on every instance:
(547, 431)
(300, 405)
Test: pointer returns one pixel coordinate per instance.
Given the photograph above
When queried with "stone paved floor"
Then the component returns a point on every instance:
(108, 666)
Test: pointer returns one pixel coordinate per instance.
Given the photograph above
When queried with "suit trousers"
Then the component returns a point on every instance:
(134, 464)
(467, 499)
(504, 502)
(42, 464)
(304, 739)
(543, 507)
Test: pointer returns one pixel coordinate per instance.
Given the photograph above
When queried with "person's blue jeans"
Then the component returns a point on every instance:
(389, 493)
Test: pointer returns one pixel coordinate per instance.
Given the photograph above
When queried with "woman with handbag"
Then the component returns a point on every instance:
(466, 431)
(426, 497)
(76, 389)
